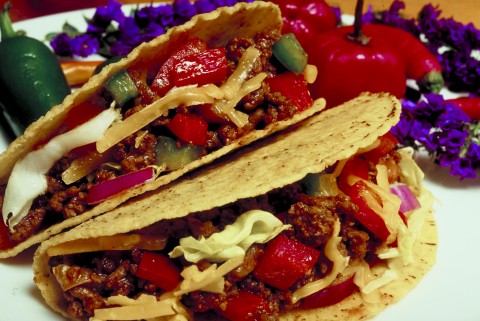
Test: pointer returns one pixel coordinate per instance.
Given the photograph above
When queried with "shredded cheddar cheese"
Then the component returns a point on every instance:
(339, 261)
(187, 96)
(209, 280)
(106, 243)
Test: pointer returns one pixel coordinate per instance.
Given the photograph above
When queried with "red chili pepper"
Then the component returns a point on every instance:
(469, 105)
(245, 307)
(106, 189)
(306, 19)
(421, 64)
(284, 262)
(189, 128)
(293, 87)
(5, 241)
(159, 269)
(350, 64)
(206, 67)
(330, 295)
(163, 81)
(358, 193)
(388, 142)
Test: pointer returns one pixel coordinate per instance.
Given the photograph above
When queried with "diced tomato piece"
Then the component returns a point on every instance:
(189, 128)
(284, 262)
(160, 270)
(207, 112)
(245, 307)
(206, 67)
(388, 142)
(163, 81)
(356, 166)
(359, 193)
(83, 150)
(330, 295)
(293, 87)
(80, 114)
(107, 189)
(5, 241)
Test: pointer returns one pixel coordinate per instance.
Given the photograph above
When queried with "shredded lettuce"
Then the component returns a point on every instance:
(254, 226)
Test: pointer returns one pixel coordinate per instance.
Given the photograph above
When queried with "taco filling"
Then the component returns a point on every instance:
(156, 118)
(305, 246)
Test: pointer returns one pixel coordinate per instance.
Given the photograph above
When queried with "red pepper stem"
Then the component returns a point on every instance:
(357, 34)
(5, 22)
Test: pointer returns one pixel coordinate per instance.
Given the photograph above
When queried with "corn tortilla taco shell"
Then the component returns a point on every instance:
(216, 28)
(354, 307)
(274, 162)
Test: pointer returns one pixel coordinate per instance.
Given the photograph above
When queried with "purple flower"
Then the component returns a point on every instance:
(442, 129)
(461, 70)
(392, 17)
(61, 45)
(161, 15)
(104, 15)
(452, 118)
(152, 30)
(452, 141)
(462, 167)
(84, 45)
(204, 6)
(184, 11)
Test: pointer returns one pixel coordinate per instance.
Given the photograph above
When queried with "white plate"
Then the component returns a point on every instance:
(449, 292)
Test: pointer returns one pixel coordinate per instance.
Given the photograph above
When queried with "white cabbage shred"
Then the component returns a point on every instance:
(28, 178)
(254, 226)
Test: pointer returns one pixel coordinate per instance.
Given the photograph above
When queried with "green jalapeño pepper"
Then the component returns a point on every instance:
(31, 79)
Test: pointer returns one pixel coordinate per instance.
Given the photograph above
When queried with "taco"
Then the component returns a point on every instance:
(200, 91)
(300, 226)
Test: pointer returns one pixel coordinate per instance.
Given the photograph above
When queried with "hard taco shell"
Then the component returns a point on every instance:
(216, 28)
(281, 159)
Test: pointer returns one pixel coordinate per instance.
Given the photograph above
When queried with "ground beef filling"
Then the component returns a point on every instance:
(312, 218)
(138, 150)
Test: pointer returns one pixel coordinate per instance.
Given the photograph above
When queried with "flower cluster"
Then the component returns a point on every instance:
(439, 126)
(444, 130)
(111, 32)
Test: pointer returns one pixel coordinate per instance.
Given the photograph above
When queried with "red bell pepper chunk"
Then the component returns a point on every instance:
(5, 241)
(160, 270)
(388, 142)
(189, 128)
(330, 295)
(107, 189)
(163, 81)
(365, 215)
(357, 166)
(293, 87)
(284, 262)
(245, 307)
(206, 67)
